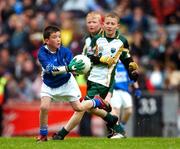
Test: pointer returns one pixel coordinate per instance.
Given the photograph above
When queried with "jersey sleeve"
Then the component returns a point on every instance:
(125, 42)
(44, 61)
(126, 58)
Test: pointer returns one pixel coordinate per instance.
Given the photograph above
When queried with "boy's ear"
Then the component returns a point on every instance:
(102, 20)
(46, 40)
(103, 24)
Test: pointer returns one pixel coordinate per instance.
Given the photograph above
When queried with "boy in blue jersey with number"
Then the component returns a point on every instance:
(122, 98)
(58, 82)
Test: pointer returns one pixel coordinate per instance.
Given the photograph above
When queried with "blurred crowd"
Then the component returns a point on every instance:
(151, 27)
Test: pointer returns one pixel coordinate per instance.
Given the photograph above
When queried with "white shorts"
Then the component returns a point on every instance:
(67, 92)
(121, 99)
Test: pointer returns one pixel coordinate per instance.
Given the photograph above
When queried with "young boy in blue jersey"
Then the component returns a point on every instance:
(58, 82)
(122, 98)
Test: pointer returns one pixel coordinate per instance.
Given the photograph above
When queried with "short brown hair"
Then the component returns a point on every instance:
(112, 15)
(49, 30)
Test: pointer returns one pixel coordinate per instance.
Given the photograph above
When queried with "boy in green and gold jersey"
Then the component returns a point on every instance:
(104, 48)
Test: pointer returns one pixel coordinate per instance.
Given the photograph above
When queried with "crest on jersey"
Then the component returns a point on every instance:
(113, 50)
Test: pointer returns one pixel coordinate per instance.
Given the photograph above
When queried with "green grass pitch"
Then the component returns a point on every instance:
(91, 143)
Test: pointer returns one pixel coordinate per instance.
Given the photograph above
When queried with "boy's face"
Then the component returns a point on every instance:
(110, 26)
(93, 24)
(54, 41)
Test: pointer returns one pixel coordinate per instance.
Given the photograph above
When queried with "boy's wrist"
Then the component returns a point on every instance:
(59, 70)
(67, 69)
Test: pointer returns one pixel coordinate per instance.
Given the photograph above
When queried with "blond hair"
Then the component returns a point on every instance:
(95, 14)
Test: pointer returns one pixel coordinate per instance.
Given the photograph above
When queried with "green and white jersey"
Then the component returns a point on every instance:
(102, 73)
(87, 46)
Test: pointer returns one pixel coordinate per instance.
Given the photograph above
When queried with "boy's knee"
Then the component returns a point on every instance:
(77, 106)
(45, 103)
(44, 107)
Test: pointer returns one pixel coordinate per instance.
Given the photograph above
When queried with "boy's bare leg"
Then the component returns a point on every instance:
(74, 120)
(43, 116)
(44, 108)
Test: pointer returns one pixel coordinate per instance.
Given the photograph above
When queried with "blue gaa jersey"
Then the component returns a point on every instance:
(50, 61)
(122, 79)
